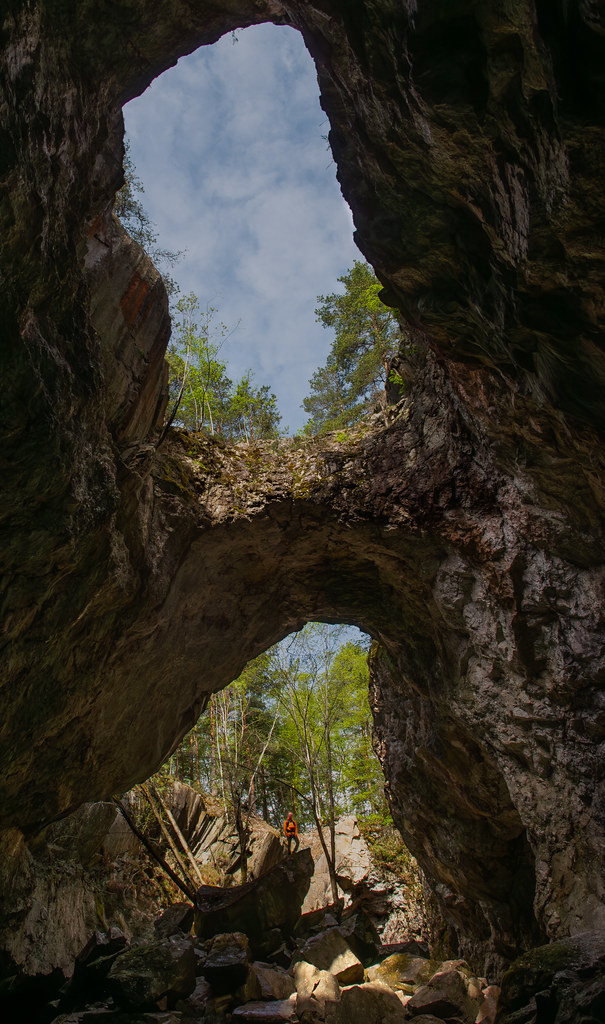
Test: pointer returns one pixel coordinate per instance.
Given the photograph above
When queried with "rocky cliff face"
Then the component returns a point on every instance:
(464, 533)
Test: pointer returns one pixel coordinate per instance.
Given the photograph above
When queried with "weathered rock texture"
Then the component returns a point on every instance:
(81, 874)
(392, 899)
(465, 534)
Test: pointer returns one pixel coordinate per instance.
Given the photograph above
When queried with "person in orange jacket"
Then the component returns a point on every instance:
(291, 833)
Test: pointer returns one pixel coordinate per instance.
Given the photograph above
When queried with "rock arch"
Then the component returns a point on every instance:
(464, 531)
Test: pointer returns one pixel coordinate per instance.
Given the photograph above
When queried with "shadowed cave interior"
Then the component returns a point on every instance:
(463, 530)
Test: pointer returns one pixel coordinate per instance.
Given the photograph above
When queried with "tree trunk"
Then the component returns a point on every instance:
(213, 786)
(179, 834)
(189, 892)
(171, 843)
(263, 790)
(242, 832)
(330, 786)
(330, 860)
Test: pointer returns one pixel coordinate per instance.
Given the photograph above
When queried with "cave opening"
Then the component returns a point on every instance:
(292, 731)
(231, 147)
(290, 737)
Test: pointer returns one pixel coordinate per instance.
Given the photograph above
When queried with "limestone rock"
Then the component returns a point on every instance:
(445, 995)
(464, 527)
(353, 865)
(227, 961)
(394, 905)
(273, 983)
(314, 988)
(264, 909)
(101, 944)
(176, 918)
(143, 975)
(266, 1012)
(402, 971)
(358, 929)
(328, 951)
(195, 1003)
(427, 1018)
(486, 1013)
(563, 979)
(106, 1016)
(213, 838)
(366, 1004)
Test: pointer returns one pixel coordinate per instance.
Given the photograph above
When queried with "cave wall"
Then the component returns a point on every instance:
(464, 532)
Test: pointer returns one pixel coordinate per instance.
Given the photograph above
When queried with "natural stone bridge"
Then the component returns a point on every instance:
(463, 530)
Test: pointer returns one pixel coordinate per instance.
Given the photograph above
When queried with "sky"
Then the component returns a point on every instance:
(229, 146)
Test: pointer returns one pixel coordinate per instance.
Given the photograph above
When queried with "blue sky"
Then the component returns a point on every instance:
(229, 147)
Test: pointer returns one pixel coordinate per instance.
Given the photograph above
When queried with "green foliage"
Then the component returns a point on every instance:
(387, 847)
(253, 411)
(293, 732)
(397, 379)
(304, 701)
(366, 336)
(203, 396)
(198, 379)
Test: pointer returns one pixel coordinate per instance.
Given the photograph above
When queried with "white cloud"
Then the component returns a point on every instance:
(229, 146)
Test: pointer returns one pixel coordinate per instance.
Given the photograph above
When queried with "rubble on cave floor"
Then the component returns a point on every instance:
(327, 972)
(274, 949)
(318, 977)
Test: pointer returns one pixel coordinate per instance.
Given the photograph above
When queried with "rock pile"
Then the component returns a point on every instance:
(205, 967)
(180, 978)
(251, 957)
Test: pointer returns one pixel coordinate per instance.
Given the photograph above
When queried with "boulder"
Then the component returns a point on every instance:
(101, 944)
(266, 909)
(428, 1018)
(140, 977)
(102, 1015)
(266, 1012)
(402, 972)
(92, 964)
(395, 908)
(329, 951)
(565, 979)
(366, 1004)
(227, 962)
(273, 982)
(176, 918)
(487, 1009)
(445, 995)
(195, 1003)
(358, 929)
(314, 988)
(353, 865)
(266, 849)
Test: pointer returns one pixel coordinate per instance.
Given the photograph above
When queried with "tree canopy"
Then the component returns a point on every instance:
(366, 336)
(304, 705)
(203, 396)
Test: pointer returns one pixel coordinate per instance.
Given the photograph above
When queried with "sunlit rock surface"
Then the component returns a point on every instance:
(465, 533)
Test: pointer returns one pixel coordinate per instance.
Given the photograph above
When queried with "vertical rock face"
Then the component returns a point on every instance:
(465, 533)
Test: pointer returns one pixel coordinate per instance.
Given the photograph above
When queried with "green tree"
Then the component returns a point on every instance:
(253, 411)
(244, 730)
(203, 396)
(366, 336)
(292, 732)
(198, 382)
(316, 688)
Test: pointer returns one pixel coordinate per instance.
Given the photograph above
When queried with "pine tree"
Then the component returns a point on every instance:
(366, 336)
